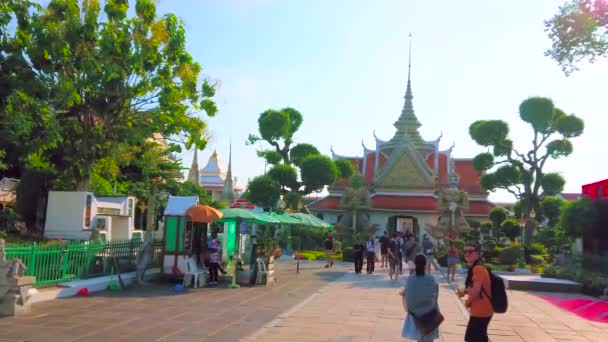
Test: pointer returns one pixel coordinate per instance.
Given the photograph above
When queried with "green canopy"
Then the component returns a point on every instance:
(268, 217)
(312, 221)
(285, 219)
(234, 214)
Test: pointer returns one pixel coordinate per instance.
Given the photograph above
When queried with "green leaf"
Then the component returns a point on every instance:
(318, 171)
(345, 167)
(570, 126)
(483, 162)
(489, 132)
(558, 148)
(539, 112)
(301, 151)
(552, 183)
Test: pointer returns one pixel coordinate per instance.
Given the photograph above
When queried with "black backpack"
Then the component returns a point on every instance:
(499, 299)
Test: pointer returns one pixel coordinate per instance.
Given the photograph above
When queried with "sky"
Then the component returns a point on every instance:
(343, 65)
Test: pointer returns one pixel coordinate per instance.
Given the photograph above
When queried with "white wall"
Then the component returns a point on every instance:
(120, 228)
(65, 215)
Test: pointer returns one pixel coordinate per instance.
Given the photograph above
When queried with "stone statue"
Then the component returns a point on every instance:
(13, 287)
(451, 222)
(144, 258)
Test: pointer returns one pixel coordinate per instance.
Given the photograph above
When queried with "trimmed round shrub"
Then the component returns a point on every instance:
(509, 255)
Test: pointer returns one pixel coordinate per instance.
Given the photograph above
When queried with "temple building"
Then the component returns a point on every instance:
(220, 185)
(406, 182)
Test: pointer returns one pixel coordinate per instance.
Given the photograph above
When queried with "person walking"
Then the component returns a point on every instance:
(393, 257)
(401, 242)
(358, 255)
(384, 241)
(421, 294)
(428, 248)
(478, 286)
(329, 251)
(370, 247)
(453, 257)
(411, 250)
(214, 264)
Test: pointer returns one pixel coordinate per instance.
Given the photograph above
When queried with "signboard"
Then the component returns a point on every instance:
(405, 224)
(243, 227)
(108, 211)
(188, 238)
(230, 233)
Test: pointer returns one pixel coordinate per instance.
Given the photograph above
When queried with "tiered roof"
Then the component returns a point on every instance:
(411, 164)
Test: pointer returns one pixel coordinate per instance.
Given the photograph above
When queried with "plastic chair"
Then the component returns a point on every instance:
(262, 272)
(194, 274)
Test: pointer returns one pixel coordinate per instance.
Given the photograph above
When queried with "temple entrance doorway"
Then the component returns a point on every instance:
(404, 224)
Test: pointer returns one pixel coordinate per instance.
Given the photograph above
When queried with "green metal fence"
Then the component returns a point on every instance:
(54, 263)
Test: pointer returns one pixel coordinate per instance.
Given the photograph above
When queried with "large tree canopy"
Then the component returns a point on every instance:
(522, 172)
(81, 80)
(85, 86)
(578, 31)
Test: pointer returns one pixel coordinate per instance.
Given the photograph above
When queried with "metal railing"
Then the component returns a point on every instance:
(58, 262)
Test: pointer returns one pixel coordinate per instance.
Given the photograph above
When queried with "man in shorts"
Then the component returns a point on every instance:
(384, 242)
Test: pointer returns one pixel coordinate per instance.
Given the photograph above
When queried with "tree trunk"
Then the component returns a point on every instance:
(84, 184)
(151, 213)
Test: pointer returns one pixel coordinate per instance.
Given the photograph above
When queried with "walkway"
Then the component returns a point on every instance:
(368, 308)
(156, 313)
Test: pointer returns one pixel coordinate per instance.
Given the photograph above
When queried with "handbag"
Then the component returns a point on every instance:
(429, 321)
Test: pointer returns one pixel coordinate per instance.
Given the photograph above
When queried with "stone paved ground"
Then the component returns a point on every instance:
(157, 314)
(367, 308)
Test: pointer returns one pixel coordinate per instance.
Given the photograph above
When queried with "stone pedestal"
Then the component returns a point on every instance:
(14, 299)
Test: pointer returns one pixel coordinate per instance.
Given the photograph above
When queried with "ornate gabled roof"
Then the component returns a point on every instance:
(379, 142)
(212, 175)
(404, 160)
(365, 149)
(334, 155)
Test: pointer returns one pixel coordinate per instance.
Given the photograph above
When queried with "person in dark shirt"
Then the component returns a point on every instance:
(384, 241)
(329, 251)
(358, 255)
(393, 257)
(370, 248)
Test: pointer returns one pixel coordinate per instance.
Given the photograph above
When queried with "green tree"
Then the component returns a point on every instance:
(345, 168)
(498, 215)
(522, 173)
(579, 217)
(297, 169)
(81, 81)
(551, 208)
(578, 31)
(511, 228)
(263, 191)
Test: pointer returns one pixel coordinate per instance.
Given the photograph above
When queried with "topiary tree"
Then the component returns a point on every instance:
(345, 168)
(511, 228)
(498, 215)
(578, 31)
(277, 128)
(522, 173)
(263, 191)
(551, 208)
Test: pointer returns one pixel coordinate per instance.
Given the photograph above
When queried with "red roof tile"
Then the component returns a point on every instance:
(404, 202)
(479, 208)
(329, 202)
(469, 177)
(443, 167)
